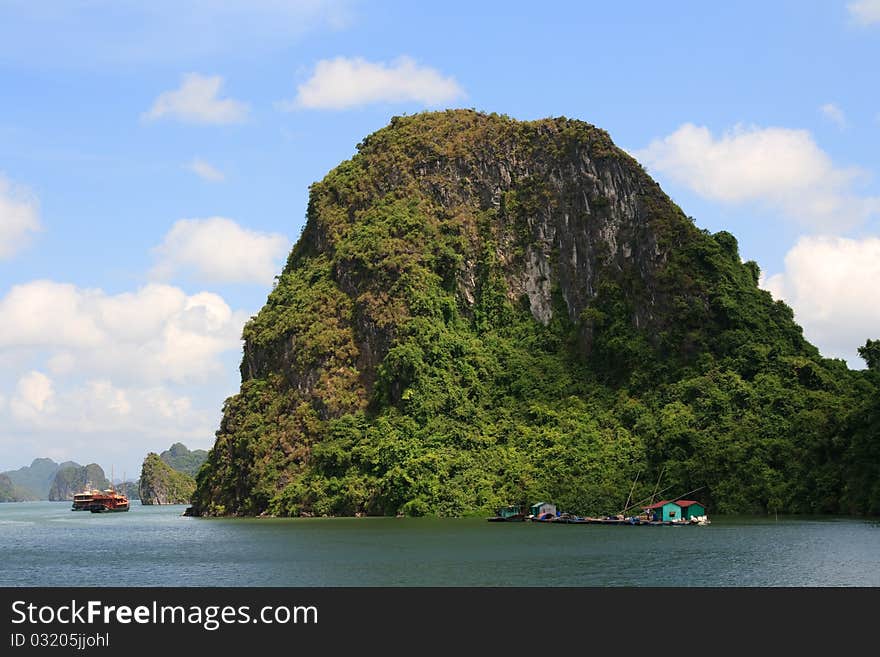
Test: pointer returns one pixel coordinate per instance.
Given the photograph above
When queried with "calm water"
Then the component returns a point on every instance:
(45, 544)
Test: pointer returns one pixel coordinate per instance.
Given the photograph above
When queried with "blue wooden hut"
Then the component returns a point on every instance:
(664, 511)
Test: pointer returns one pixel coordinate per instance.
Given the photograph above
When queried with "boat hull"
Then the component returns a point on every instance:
(100, 508)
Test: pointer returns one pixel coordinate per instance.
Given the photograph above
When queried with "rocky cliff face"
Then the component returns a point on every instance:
(72, 478)
(160, 484)
(9, 492)
(454, 254)
(559, 205)
(35, 480)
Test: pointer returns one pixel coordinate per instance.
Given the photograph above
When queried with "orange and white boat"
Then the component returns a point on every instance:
(108, 501)
(82, 501)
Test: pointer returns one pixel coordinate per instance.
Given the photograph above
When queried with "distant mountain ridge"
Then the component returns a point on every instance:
(44, 479)
(72, 478)
(9, 492)
(35, 480)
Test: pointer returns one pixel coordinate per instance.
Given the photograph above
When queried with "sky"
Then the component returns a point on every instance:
(155, 159)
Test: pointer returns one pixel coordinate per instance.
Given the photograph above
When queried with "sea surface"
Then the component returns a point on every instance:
(46, 544)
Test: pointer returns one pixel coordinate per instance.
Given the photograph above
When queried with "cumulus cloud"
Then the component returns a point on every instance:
(832, 285)
(19, 217)
(98, 420)
(197, 101)
(781, 169)
(205, 171)
(89, 375)
(34, 397)
(834, 114)
(219, 250)
(343, 83)
(866, 12)
(99, 406)
(156, 334)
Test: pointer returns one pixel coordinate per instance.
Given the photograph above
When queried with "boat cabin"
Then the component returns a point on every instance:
(540, 509)
(691, 509)
(664, 511)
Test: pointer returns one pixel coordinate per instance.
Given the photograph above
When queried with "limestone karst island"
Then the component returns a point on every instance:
(481, 311)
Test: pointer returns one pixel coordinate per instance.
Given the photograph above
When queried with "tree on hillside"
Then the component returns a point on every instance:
(871, 353)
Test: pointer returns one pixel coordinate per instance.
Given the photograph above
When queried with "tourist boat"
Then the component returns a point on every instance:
(82, 501)
(109, 501)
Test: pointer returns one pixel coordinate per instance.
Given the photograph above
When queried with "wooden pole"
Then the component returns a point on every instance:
(631, 489)
(657, 485)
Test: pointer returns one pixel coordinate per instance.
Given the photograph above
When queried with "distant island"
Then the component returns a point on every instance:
(170, 476)
(72, 478)
(44, 479)
(9, 492)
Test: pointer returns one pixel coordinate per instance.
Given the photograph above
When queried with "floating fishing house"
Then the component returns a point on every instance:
(510, 513)
(540, 509)
(664, 511)
(691, 509)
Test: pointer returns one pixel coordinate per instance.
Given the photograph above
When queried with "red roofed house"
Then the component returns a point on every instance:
(664, 511)
(691, 509)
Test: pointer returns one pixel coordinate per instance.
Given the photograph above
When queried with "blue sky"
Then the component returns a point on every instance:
(155, 160)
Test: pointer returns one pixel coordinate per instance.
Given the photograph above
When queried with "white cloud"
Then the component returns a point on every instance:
(205, 171)
(779, 168)
(343, 83)
(196, 101)
(92, 375)
(834, 114)
(99, 406)
(156, 334)
(219, 250)
(19, 217)
(33, 398)
(96, 420)
(832, 285)
(865, 12)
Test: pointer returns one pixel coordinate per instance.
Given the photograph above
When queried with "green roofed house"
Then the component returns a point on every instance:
(691, 509)
(664, 511)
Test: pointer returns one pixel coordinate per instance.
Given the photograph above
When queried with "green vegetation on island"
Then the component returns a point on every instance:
(161, 484)
(180, 458)
(482, 311)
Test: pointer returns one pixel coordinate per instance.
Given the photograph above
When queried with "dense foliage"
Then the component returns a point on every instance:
(160, 484)
(180, 458)
(394, 369)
